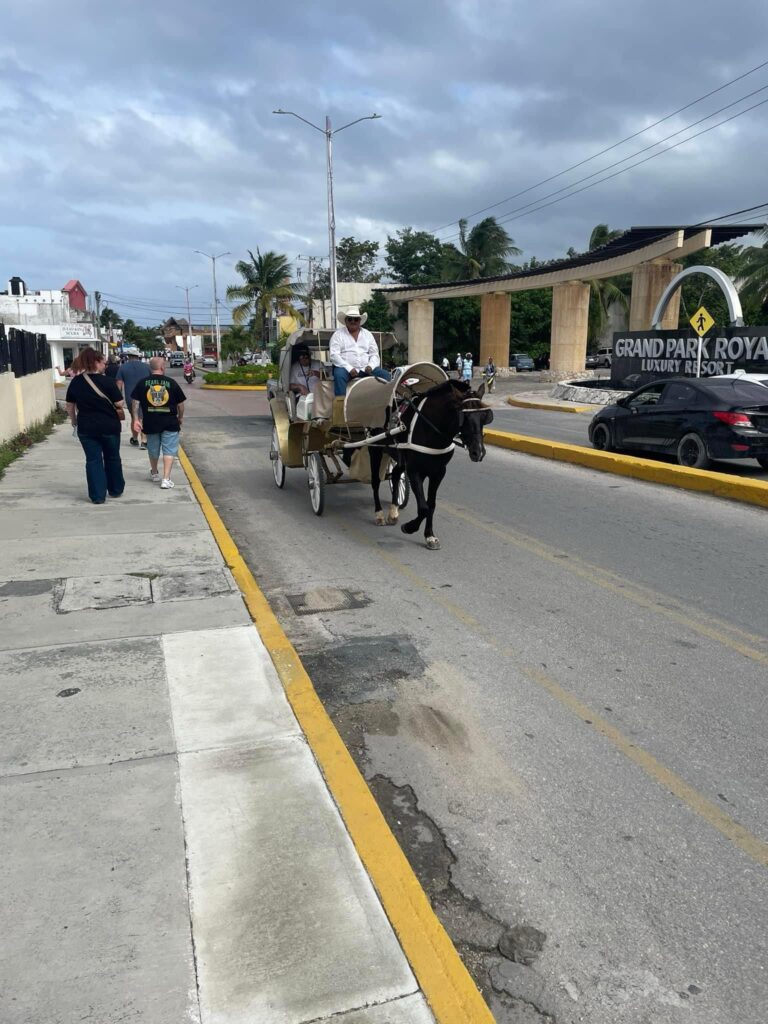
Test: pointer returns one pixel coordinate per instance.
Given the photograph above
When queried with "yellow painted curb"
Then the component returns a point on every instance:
(521, 403)
(450, 991)
(234, 387)
(751, 492)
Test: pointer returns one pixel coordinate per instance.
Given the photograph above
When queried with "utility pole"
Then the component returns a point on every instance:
(215, 302)
(188, 346)
(311, 261)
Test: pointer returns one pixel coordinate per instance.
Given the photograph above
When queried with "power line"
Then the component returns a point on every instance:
(516, 215)
(638, 152)
(608, 149)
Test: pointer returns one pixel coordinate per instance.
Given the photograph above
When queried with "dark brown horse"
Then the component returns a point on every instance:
(425, 446)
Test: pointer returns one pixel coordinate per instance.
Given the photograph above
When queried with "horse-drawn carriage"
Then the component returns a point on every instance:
(368, 433)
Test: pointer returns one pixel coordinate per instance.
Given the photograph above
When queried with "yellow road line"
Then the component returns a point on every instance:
(521, 403)
(695, 801)
(447, 986)
(721, 485)
(739, 640)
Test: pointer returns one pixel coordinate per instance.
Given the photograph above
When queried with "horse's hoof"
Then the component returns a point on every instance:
(379, 518)
(433, 543)
(410, 527)
(394, 515)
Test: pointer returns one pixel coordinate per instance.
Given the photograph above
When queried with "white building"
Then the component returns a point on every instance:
(60, 314)
(348, 293)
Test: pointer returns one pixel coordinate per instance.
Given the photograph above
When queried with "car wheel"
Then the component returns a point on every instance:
(763, 460)
(601, 438)
(692, 452)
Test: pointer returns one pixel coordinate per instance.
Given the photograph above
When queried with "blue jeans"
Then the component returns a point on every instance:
(103, 468)
(341, 378)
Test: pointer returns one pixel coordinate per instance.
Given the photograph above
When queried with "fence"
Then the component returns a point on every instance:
(26, 382)
(22, 352)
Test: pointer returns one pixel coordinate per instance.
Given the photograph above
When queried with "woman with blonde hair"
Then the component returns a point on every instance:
(95, 408)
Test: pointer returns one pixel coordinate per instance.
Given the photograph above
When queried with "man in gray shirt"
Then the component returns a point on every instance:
(128, 376)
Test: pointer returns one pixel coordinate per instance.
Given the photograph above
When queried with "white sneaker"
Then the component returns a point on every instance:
(165, 484)
(154, 477)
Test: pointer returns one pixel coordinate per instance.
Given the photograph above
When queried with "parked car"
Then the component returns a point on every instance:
(210, 361)
(695, 420)
(752, 378)
(520, 362)
(600, 358)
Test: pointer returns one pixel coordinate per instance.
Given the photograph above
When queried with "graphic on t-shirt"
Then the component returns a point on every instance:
(157, 396)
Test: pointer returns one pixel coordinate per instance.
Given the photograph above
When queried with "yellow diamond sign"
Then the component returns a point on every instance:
(701, 321)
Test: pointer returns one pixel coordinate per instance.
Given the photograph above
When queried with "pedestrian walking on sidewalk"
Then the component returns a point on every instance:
(158, 412)
(128, 376)
(96, 411)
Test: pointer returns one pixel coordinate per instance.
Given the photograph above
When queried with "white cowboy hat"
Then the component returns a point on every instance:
(342, 315)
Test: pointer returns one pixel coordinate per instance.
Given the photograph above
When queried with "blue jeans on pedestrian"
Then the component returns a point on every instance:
(103, 468)
(341, 378)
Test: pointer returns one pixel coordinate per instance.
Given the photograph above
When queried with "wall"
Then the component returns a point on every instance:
(24, 401)
(348, 293)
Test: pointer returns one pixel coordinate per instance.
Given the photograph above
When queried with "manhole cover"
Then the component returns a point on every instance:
(326, 599)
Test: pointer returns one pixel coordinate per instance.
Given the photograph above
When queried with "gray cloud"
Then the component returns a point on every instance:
(134, 133)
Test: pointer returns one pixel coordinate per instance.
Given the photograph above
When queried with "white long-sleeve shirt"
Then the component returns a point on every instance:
(351, 354)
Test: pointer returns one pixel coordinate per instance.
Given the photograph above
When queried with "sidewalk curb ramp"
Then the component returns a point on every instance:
(445, 982)
(524, 403)
(721, 485)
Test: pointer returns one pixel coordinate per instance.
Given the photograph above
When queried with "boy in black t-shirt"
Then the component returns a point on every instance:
(158, 411)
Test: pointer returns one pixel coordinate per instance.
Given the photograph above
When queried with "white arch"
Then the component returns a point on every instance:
(736, 318)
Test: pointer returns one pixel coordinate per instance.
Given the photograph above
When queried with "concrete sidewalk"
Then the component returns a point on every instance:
(170, 851)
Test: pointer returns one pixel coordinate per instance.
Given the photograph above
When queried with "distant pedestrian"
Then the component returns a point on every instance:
(466, 369)
(158, 411)
(445, 364)
(96, 411)
(459, 364)
(112, 367)
(128, 376)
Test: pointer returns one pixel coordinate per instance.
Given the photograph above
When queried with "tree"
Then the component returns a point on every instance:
(457, 327)
(531, 323)
(605, 292)
(266, 281)
(356, 261)
(235, 342)
(753, 273)
(741, 265)
(415, 257)
(109, 316)
(380, 315)
(483, 252)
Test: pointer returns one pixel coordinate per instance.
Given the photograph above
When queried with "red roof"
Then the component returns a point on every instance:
(71, 285)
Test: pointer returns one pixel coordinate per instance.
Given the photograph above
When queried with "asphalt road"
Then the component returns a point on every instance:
(562, 712)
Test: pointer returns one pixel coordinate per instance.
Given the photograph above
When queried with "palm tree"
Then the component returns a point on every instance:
(755, 270)
(604, 292)
(484, 251)
(266, 280)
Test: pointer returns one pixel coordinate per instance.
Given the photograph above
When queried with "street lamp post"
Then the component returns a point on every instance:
(187, 290)
(329, 132)
(215, 302)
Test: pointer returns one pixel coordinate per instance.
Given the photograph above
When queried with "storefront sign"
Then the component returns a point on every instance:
(75, 332)
(654, 354)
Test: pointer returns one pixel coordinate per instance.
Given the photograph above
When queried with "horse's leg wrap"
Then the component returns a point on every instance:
(379, 517)
(394, 514)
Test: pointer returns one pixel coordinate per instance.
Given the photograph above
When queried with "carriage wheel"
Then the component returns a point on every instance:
(403, 491)
(278, 466)
(316, 481)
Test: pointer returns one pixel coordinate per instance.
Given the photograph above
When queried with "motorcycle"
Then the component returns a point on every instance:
(189, 375)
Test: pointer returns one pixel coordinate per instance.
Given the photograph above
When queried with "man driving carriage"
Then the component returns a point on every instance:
(354, 352)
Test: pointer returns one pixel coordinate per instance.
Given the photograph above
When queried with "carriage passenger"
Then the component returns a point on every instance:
(354, 352)
(305, 371)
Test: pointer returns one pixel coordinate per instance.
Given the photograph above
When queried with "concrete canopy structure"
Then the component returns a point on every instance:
(648, 253)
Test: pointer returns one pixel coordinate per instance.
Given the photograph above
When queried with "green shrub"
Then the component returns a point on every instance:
(242, 375)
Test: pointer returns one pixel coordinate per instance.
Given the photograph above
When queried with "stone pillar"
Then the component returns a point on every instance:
(570, 315)
(421, 319)
(495, 312)
(648, 282)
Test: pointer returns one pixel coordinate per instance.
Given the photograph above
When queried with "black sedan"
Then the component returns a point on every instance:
(693, 419)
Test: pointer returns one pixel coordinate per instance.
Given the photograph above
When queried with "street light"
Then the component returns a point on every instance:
(189, 318)
(215, 302)
(329, 132)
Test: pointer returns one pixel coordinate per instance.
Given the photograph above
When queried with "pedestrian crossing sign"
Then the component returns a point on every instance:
(701, 321)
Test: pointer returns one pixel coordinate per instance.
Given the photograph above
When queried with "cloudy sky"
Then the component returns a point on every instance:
(136, 132)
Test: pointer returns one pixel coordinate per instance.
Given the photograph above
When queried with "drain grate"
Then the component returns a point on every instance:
(326, 599)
